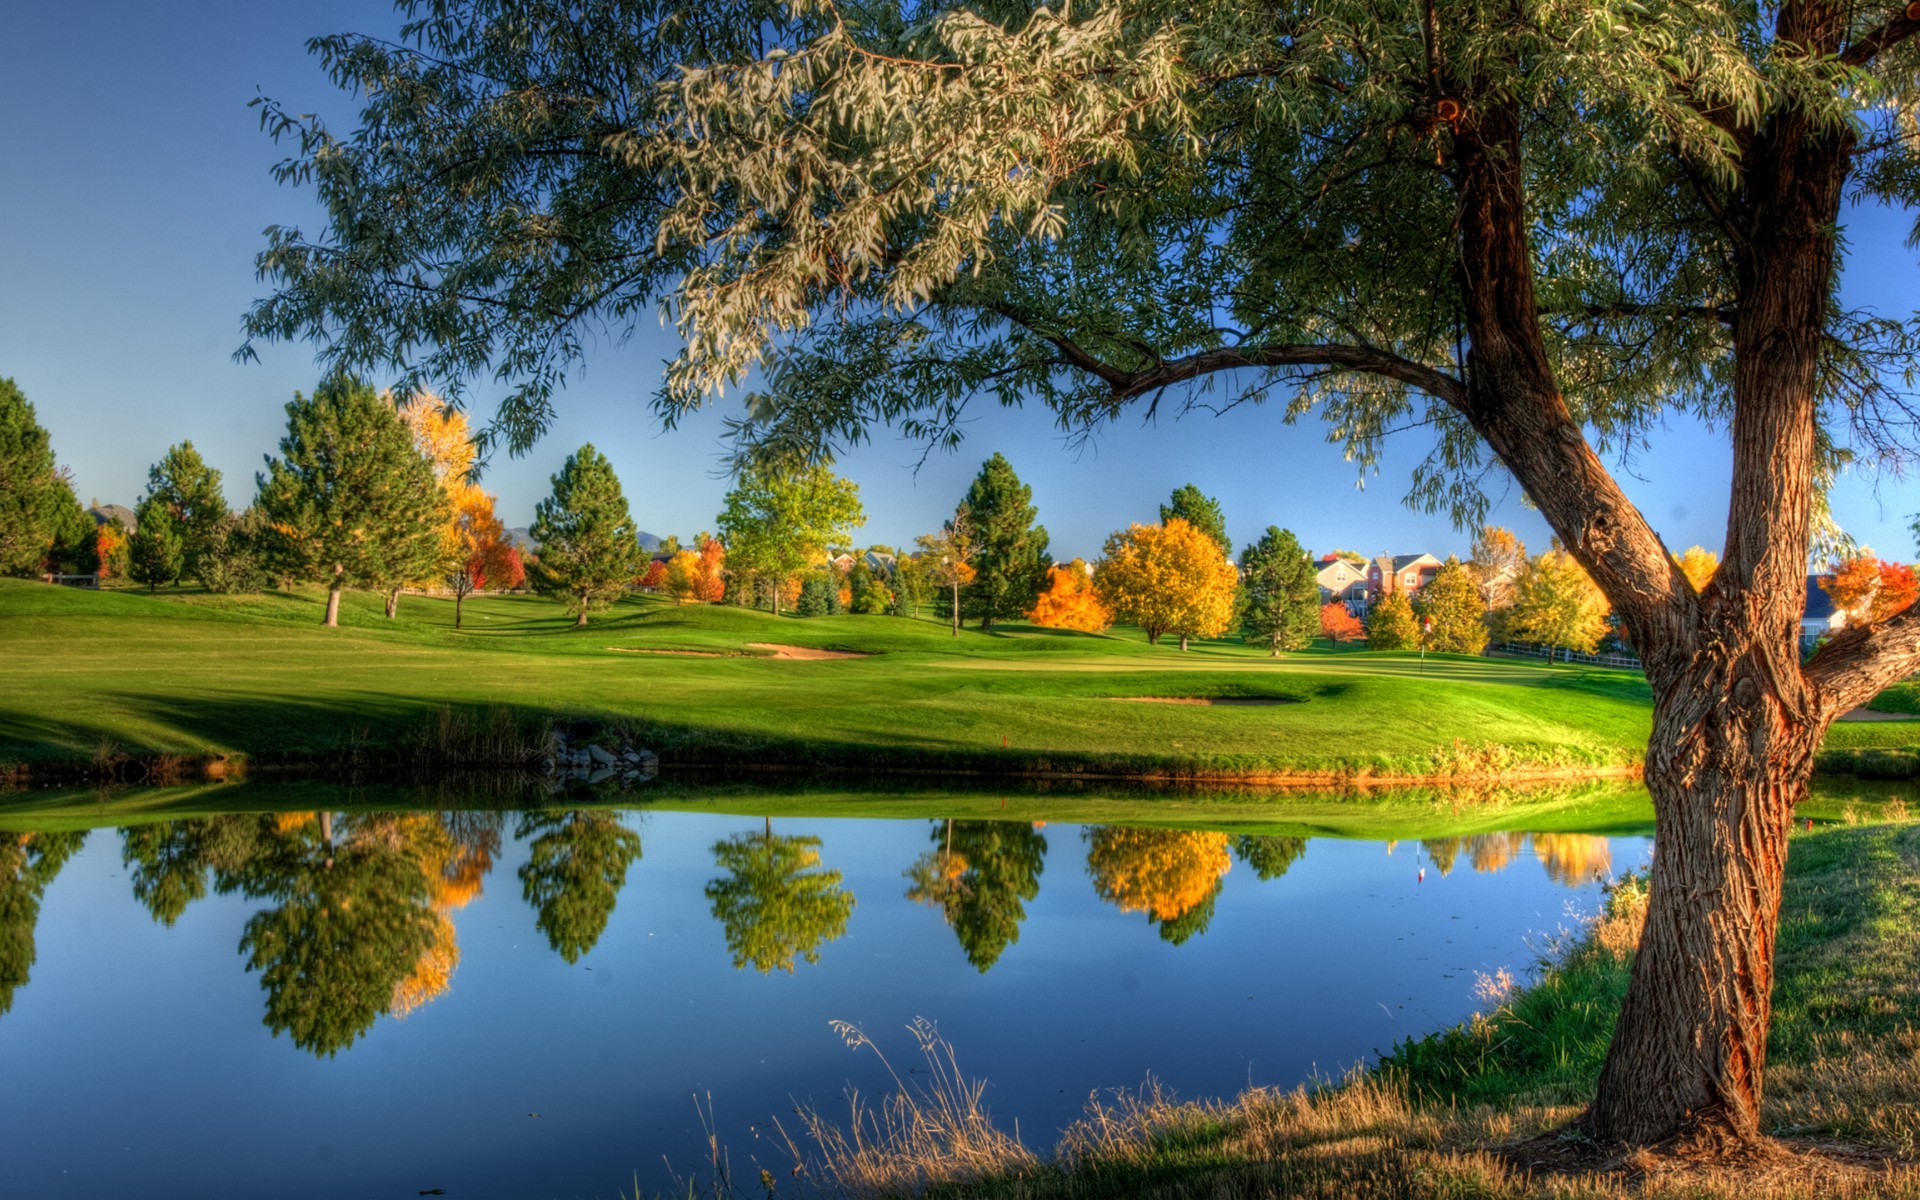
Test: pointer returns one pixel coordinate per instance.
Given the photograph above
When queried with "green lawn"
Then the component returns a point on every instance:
(182, 672)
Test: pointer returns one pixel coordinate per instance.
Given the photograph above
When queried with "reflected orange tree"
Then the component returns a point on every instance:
(775, 903)
(1172, 875)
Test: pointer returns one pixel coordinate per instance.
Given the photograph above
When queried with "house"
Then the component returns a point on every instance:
(1821, 617)
(881, 564)
(1407, 573)
(1341, 579)
(119, 514)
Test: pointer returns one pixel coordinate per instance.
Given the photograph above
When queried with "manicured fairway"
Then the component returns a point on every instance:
(94, 673)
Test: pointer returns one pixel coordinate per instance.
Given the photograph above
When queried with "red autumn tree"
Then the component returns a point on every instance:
(1338, 624)
(655, 576)
(1871, 589)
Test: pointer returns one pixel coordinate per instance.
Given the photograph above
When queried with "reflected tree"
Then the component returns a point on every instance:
(352, 922)
(775, 902)
(28, 864)
(1268, 856)
(1172, 875)
(980, 877)
(171, 863)
(576, 865)
(1574, 859)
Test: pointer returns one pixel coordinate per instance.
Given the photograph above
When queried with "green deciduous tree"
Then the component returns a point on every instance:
(775, 903)
(1280, 596)
(1532, 228)
(1010, 557)
(33, 496)
(981, 875)
(1453, 611)
(191, 492)
(1201, 511)
(778, 523)
(28, 864)
(576, 865)
(589, 546)
(351, 501)
(238, 553)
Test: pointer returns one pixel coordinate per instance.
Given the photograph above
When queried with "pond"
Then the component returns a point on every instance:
(316, 995)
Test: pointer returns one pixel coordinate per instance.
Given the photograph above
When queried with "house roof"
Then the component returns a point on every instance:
(1819, 604)
(102, 513)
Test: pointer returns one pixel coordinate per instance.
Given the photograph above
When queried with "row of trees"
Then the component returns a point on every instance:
(357, 916)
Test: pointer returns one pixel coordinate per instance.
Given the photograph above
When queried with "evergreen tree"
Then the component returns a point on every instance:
(235, 558)
(190, 490)
(28, 864)
(1452, 602)
(1391, 624)
(31, 490)
(589, 546)
(75, 546)
(349, 498)
(1010, 563)
(869, 595)
(816, 597)
(1200, 511)
(155, 553)
(1280, 594)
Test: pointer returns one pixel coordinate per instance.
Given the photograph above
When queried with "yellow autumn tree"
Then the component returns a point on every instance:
(1698, 564)
(1557, 605)
(683, 576)
(1165, 873)
(1169, 578)
(1070, 601)
(1573, 859)
(475, 544)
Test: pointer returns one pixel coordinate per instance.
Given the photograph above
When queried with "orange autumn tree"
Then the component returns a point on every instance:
(1169, 874)
(710, 571)
(1070, 601)
(110, 550)
(1867, 588)
(475, 541)
(1339, 623)
(1169, 578)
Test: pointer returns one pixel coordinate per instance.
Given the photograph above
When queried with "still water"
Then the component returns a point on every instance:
(565, 1002)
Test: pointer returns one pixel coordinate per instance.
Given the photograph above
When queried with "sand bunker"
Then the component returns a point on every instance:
(1211, 701)
(1868, 714)
(807, 652)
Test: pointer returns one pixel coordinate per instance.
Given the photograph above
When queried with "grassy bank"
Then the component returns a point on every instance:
(96, 675)
(1463, 1113)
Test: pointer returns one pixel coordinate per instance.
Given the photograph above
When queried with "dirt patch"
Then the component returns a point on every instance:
(672, 653)
(1211, 701)
(1868, 714)
(810, 653)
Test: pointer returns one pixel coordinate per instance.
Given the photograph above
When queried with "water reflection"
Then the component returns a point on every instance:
(775, 902)
(981, 876)
(358, 915)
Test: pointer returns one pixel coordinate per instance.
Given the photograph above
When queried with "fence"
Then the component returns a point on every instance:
(79, 581)
(1519, 650)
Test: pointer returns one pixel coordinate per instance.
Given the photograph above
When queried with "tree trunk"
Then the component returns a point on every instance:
(458, 596)
(956, 610)
(332, 619)
(1183, 643)
(1732, 750)
(580, 622)
(393, 602)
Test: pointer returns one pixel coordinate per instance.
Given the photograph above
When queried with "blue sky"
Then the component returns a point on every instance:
(137, 188)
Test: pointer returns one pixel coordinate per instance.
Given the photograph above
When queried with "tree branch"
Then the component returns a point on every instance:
(1860, 662)
(1903, 24)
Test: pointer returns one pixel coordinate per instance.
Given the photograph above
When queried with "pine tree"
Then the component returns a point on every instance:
(350, 499)
(1010, 563)
(155, 552)
(31, 500)
(190, 490)
(1281, 595)
(1452, 604)
(589, 545)
(1201, 511)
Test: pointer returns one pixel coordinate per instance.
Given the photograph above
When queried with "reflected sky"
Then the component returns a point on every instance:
(529, 1003)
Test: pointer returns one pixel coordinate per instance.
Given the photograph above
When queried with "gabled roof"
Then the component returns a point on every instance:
(1819, 604)
(102, 513)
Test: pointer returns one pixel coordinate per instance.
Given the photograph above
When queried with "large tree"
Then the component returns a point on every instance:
(191, 493)
(351, 499)
(589, 546)
(778, 523)
(1168, 578)
(1281, 596)
(1010, 557)
(33, 494)
(1533, 227)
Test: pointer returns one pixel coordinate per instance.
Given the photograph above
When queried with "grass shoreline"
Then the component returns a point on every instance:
(1488, 1108)
(182, 685)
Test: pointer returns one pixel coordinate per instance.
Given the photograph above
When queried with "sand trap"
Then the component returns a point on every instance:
(806, 652)
(1210, 701)
(672, 653)
(1868, 714)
